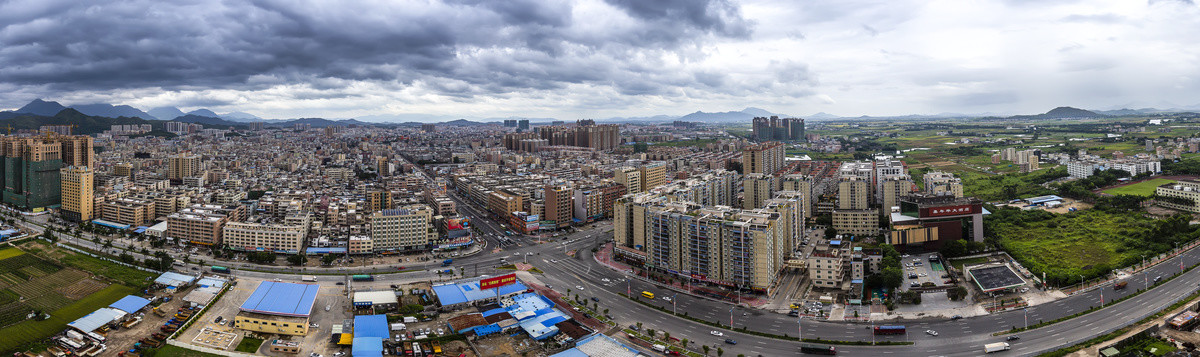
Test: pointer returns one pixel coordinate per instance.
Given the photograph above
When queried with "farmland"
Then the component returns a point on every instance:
(12, 337)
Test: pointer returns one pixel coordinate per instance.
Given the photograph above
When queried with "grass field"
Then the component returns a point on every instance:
(121, 273)
(959, 263)
(9, 253)
(249, 345)
(1066, 246)
(1144, 188)
(15, 336)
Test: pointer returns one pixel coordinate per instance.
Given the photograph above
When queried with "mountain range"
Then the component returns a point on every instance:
(51, 109)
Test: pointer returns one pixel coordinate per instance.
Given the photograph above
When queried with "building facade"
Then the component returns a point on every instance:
(77, 193)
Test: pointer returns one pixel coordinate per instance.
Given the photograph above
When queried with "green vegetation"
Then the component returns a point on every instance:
(1087, 243)
(1144, 188)
(960, 263)
(1009, 186)
(31, 331)
(125, 275)
(9, 253)
(249, 345)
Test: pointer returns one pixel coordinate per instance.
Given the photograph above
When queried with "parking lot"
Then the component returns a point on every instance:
(920, 271)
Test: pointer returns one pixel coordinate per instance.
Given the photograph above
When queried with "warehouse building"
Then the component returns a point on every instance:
(278, 308)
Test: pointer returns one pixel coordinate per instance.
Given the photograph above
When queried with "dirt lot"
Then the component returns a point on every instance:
(505, 345)
(123, 339)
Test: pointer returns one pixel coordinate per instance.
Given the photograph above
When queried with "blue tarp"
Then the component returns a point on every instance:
(370, 326)
(208, 281)
(8, 232)
(130, 304)
(493, 311)
(140, 229)
(366, 347)
(487, 330)
(285, 299)
(326, 250)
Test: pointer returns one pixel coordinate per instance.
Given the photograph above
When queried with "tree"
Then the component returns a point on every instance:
(720, 351)
(667, 336)
(830, 232)
(605, 312)
(956, 248)
(683, 342)
(297, 259)
(639, 325)
(706, 350)
(328, 259)
(892, 277)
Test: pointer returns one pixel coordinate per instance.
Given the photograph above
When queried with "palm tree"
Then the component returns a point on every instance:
(705, 350)
(720, 352)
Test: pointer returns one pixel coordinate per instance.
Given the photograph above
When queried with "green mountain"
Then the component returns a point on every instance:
(84, 124)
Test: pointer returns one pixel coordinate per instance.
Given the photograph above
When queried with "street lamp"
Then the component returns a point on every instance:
(731, 317)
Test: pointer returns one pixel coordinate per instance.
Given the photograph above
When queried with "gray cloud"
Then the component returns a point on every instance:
(458, 48)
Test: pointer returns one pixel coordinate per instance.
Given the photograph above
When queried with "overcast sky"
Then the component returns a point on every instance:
(601, 58)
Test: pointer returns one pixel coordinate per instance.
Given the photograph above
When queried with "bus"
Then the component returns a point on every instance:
(817, 349)
(889, 330)
(220, 269)
(362, 277)
(647, 294)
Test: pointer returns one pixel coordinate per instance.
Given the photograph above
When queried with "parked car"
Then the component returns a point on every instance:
(931, 332)
(1013, 338)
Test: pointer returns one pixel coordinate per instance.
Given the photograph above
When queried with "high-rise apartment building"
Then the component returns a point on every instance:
(803, 186)
(852, 193)
(630, 177)
(653, 174)
(77, 193)
(522, 125)
(893, 188)
(721, 245)
(264, 236)
(764, 158)
(757, 188)
(408, 228)
(559, 205)
(183, 165)
(774, 128)
(123, 169)
(31, 169)
(379, 200)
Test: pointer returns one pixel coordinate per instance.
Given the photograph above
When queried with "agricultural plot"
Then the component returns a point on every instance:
(81, 288)
(1144, 188)
(10, 252)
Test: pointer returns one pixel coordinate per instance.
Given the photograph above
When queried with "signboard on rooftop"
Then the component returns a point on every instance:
(503, 280)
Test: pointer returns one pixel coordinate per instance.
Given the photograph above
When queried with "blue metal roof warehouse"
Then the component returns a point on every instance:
(458, 293)
(369, 333)
(283, 299)
(130, 304)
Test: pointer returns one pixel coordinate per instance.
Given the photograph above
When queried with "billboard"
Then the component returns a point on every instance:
(949, 210)
(457, 223)
(503, 280)
(531, 218)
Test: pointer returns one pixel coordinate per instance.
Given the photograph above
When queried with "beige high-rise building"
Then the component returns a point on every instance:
(202, 224)
(893, 188)
(408, 228)
(129, 211)
(857, 222)
(630, 177)
(764, 158)
(726, 245)
(852, 193)
(560, 205)
(77, 193)
(379, 200)
(757, 188)
(653, 174)
(183, 165)
(803, 185)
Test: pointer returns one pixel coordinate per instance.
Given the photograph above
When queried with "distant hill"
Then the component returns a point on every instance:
(84, 124)
(166, 113)
(744, 115)
(41, 107)
(112, 111)
(208, 121)
(241, 116)
(204, 113)
(1069, 112)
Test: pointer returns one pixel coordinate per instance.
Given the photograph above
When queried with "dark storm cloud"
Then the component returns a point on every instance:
(456, 47)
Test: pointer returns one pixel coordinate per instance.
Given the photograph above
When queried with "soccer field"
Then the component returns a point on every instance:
(1144, 188)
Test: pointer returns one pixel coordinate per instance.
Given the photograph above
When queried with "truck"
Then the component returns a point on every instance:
(362, 277)
(1120, 285)
(817, 349)
(447, 262)
(159, 312)
(995, 347)
(659, 348)
(437, 347)
(220, 269)
(889, 330)
(309, 278)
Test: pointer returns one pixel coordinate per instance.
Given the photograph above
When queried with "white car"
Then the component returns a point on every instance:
(605, 280)
(667, 298)
(931, 332)
(716, 333)
(578, 287)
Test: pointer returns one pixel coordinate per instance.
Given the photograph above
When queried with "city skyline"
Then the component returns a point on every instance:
(600, 59)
